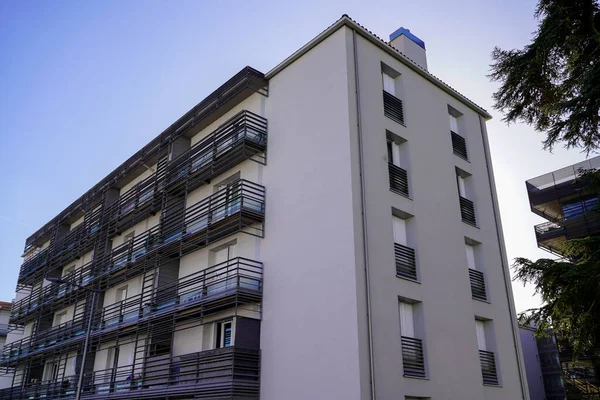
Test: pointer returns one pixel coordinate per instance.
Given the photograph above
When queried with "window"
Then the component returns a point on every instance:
(60, 318)
(476, 277)
(407, 324)
(577, 208)
(389, 83)
(460, 182)
(404, 256)
(470, 256)
(393, 150)
(129, 237)
(392, 103)
(453, 123)
(413, 359)
(68, 270)
(480, 328)
(224, 334)
(121, 294)
(397, 156)
(467, 208)
(459, 144)
(487, 358)
(51, 371)
(399, 226)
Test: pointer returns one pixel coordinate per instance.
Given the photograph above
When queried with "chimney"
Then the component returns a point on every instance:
(409, 45)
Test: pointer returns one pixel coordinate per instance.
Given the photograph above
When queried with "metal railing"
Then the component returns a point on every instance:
(488, 368)
(478, 291)
(246, 132)
(239, 87)
(393, 107)
(220, 373)
(406, 265)
(459, 145)
(244, 136)
(239, 279)
(398, 179)
(557, 179)
(239, 204)
(413, 359)
(467, 211)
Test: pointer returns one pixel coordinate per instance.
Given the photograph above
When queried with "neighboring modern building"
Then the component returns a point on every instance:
(542, 364)
(561, 199)
(572, 212)
(327, 230)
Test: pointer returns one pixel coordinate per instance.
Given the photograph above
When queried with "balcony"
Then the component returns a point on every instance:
(398, 180)
(406, 265)
(459, 146)
(24, 309)
(229, 284)
(242, 137)
(34, 263)
(488, 368)
(467, 211)
(478, 291)
(412, 357)
(63, 250)
(228, 211)
(230, 372)
(393, 108)
(138, 202)
(223, 286)
(544, 190)
(551, 236)
(71, 331)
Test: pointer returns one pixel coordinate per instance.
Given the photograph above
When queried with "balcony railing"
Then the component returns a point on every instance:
(412, 357)
(229, 372)
(44, 295)
(238, 278)
(238, 139)
(459, 145)
(467, 211)
(393, 107)
(478, 291)
(242, 137)
(230, 210)
(233, 282)
(398, 179)
(406, 265)
(488, 368)
(66, 249)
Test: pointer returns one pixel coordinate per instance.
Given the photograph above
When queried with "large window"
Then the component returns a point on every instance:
(577, 208)
(224, 334)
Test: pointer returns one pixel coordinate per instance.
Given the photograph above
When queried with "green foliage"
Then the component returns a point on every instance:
(554, 82)
(570, 291)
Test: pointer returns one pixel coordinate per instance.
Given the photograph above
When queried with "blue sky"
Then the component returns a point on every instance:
(83, 85)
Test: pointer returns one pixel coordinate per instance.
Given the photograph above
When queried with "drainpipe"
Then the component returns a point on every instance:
(364, 220)
(504, 260)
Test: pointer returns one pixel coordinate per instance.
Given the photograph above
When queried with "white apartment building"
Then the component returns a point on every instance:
(327, 230)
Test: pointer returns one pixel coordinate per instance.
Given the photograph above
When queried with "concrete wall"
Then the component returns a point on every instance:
(446, 309)
(309, 334)
(138, 179)
(535, 380)
(138, 228)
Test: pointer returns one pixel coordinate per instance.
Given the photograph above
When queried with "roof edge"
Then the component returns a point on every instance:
(345, 20)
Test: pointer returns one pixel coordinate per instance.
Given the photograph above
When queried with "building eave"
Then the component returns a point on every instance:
(345, 20)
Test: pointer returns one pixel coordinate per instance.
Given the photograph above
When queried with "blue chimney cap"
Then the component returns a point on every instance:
(406, 32)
